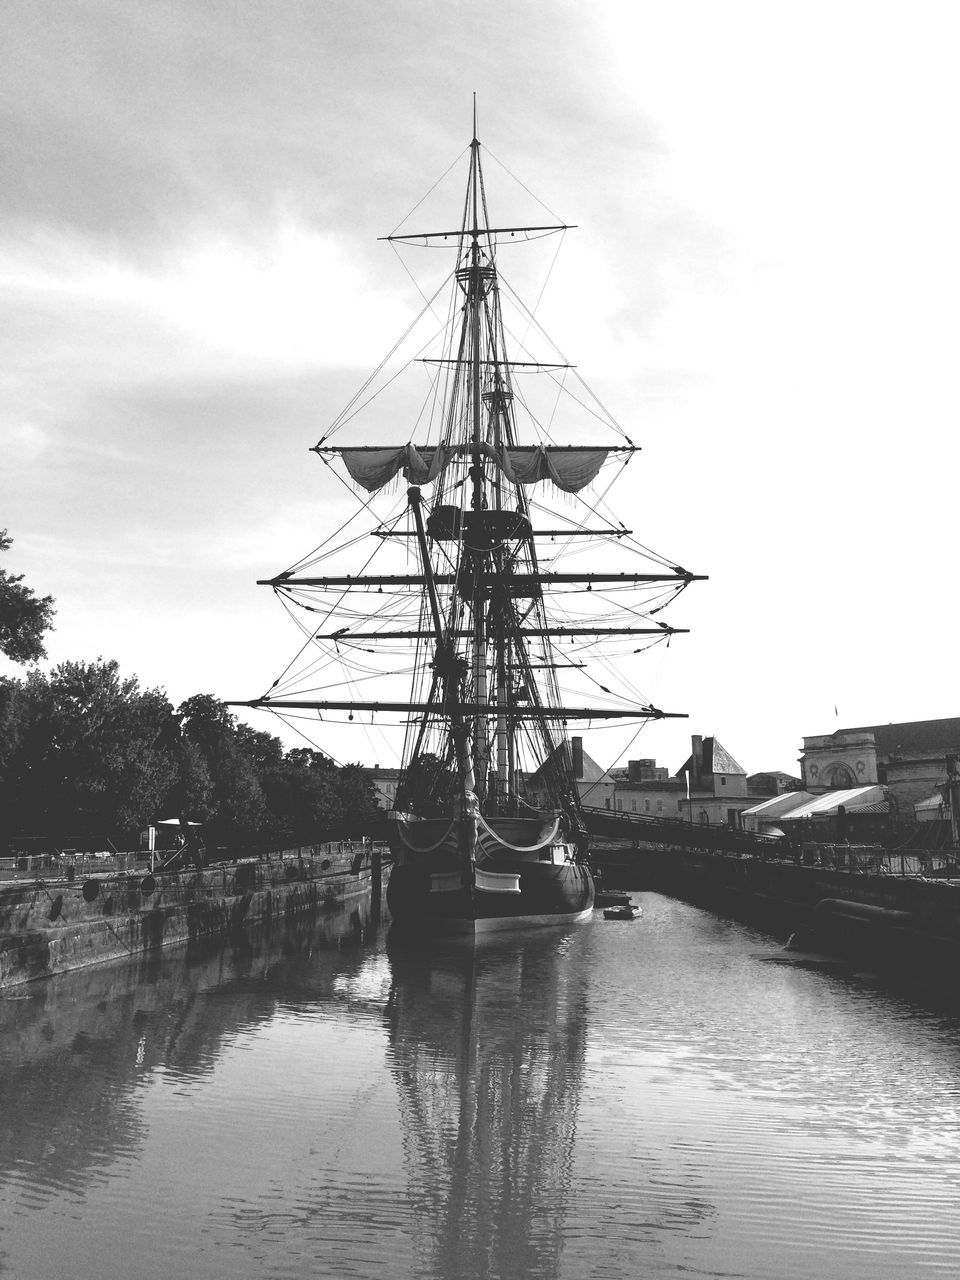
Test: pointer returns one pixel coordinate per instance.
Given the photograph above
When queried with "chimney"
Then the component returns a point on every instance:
(577, 744)
(696, 758)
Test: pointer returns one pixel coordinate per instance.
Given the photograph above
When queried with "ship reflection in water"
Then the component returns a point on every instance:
(488, 1045)
(610, 1101)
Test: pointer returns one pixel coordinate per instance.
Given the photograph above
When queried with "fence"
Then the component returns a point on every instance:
(76, 866)
(53, 866)
(705, 838)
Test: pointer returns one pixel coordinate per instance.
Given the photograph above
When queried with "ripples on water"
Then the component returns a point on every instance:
(667, 1096)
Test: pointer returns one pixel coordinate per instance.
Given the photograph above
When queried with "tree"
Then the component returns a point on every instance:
(236, 808)
(88, 752)
(24, 617)
(429, 787)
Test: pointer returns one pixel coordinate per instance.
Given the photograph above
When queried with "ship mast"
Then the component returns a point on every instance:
(486, 593)
(475, 313)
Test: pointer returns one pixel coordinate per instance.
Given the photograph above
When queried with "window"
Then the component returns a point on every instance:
(679, 806)
(723, 782)
(646, 806)
(633, 805)
(619, 803)
(659, 806)
(840, 778)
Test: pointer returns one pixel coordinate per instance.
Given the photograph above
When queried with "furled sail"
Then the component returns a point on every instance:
(571, 467)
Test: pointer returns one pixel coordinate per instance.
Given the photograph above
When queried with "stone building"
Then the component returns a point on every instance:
(646, 788)
(718, 785)
(594, 784)
(717, 792)
(775, 783)
(909, 759)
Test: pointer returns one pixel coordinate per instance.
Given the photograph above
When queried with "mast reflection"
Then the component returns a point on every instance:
(488, 1044)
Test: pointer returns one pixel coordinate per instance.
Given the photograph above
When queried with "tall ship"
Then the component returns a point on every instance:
(486, 607)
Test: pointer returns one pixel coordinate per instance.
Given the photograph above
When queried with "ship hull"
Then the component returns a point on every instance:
(432, 890)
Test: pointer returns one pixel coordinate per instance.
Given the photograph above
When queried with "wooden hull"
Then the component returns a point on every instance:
(432, 890)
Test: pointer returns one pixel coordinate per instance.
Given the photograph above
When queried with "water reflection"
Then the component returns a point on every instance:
(487, 1046)
(638, 1100)
(74, 1049)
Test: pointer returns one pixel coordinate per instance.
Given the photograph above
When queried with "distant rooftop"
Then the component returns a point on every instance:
(715, 759)
(909, 737)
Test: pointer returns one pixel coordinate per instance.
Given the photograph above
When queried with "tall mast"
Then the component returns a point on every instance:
(475, 311)
(487, 704)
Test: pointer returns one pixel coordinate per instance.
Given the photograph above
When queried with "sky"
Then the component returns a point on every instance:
(763, 287)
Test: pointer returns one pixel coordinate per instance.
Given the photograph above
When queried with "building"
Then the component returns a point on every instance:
(717, 787)
(594, 785)
(775, 783)
(646, 789)
(850, 813)
(912, 760)
(384, 784)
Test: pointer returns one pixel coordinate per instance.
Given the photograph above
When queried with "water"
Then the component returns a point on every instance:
(647, 1099)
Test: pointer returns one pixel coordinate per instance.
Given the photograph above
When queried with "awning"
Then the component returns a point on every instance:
(851, 798)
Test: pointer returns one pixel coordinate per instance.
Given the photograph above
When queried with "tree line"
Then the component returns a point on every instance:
(88, 755)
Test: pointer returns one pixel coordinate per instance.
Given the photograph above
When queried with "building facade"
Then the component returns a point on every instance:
(912, 760)
(594, 785)
(716, 794)
(384, 784)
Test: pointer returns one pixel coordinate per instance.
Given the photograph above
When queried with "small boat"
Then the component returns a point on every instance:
(626, 911)
(611, 898)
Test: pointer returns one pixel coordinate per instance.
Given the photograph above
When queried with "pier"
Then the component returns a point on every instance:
(897, 908)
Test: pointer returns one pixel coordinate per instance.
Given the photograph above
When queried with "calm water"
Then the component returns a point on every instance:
(636, 1100)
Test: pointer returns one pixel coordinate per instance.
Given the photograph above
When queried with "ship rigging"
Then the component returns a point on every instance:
(477, 619)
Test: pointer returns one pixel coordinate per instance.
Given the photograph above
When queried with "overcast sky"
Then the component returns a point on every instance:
(763, 287)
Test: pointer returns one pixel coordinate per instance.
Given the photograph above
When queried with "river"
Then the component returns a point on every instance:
(674, 1095)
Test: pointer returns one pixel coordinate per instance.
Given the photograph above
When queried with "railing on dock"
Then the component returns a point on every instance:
(49, 866)
(71, 865)
(669, 833)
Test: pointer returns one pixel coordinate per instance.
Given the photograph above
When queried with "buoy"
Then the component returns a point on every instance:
(91, 890)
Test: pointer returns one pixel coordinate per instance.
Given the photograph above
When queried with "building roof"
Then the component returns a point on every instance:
(851, 798)
(912, 736)
(778, 805)
(931, 803)
(715, 759)
(592, 772)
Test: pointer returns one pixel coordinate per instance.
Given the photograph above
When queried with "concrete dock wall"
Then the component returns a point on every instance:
(53, 926)
(907, 919)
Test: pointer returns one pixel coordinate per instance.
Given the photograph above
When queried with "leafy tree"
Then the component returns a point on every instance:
(429, 787)
(235, 802)
(86, 752)
(301, 792)
(357, 793)
(91, 753)
(24, 617)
